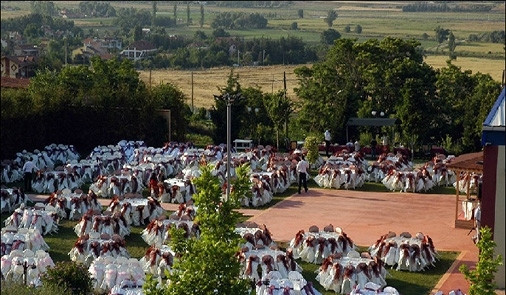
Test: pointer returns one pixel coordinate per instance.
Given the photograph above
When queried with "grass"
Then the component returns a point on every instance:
(475, 64)
(270, 78)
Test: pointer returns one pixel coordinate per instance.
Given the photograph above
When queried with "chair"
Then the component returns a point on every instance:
(390, 290)
(251, 224)
(40, 254)
(28, 253)
(23, 230)
(353, 254)
(121, 260)
(365, 255)
(372, 286)
(405, 235)
(391, 234)
(329, 228)
(16, 253)
(314, 229)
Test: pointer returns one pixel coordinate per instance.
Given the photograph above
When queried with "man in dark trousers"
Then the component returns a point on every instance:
(327, 141)
(374, 143)
(302, 170)
(28, 169)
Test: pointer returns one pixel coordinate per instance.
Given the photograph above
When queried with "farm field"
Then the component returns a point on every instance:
(270, 78)
(376, 18)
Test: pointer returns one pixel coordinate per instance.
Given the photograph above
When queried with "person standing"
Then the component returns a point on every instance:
(302, 170)
(327, 141)
(477, 217)
(29, 168)
(357, 146)
(374, 143)
(384, 140)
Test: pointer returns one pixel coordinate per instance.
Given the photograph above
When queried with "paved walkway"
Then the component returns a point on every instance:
(367, 216)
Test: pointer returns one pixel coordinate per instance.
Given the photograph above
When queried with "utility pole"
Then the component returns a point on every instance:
(149, 79)
(286, 116)
(65, 44)
(238, 57)
(192, 93)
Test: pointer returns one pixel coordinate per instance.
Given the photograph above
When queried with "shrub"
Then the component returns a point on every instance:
(482, 278)
(17, 288)
(70, 276)
(365, 138)
(311, 144)
(199, 140)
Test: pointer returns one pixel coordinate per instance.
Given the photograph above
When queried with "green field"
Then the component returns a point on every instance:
(378, 19)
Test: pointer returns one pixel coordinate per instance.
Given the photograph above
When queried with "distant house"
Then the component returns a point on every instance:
(112, 43)
(71, 14)
(18, 66)
(26, 50)
(139, 50)
(94, 47)
(16, 37)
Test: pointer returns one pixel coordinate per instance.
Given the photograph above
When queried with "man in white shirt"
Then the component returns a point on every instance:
(357, 146)
(302, 170)
(28, 169)
(327, 141)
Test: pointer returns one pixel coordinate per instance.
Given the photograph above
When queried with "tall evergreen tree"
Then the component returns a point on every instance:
(201, 22)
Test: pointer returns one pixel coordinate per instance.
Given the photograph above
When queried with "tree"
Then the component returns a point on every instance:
(32, 31)
(201, 15)
(175, 11)
(137, 33)
(482, 277)
(347, 29)
(358, 29)
(279, 108)
(294, 26)
(220, 32)
(300, 13)
(188, 15)
(331, 17)
(219, 112)
(153, 13)
(168, 96)
(208, 265)
(417, 93)
(329, 36)
(441, 35)
(46, 8)
(452, 45)
(354, 77)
